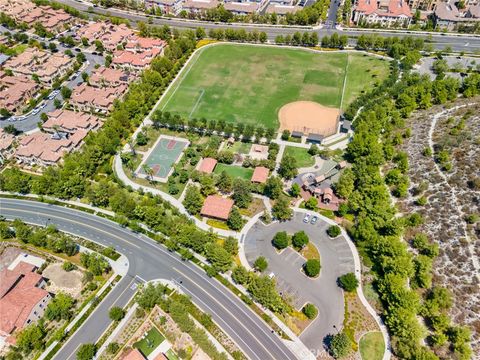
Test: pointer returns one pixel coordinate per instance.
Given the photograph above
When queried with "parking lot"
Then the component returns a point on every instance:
(335, 257)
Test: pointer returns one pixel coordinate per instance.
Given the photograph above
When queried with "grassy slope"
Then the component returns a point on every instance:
(234, 171)
(372, 346)
(302, 156)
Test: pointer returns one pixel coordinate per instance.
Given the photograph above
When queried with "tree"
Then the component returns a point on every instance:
(345, 185)
(231, 245)
(141, 139)
(60, 308)
(10, 129)
(295, 190)
(285, 135)
(235, 220)
(300, 239)
(280, 240)
(31, 338)
(340, 345)
(68, 266)
(52, 46)
(86, 352)
(150, 296)
(240, 275)
(273, 187)
(193, 200)
(312, 203)
(348, 282)
(220, 259)
(116, 313)
(260, 264)
(288, 167)
(95, 263)
(224, 182)
(310, 311)
(312, 267)
(262, 37)
(5, 113)
(241, 193)
(57, 103)
(66, 92)
(262, 289)
(333, 231)
(200, 33)
(281, 209)
(113, 347)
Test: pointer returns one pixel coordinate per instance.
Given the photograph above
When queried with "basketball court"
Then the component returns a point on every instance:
(161, 158)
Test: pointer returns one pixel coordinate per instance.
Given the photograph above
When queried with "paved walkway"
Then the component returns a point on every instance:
(118, 168)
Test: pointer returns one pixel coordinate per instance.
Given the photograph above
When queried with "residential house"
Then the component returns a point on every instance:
(281, 9)
(448, 16)
(108, 77)
(384, 12)
(169, 7)
(93, 99)
(6, 145)
(207, 165)
(68, 122)
(242, 8)
(196, 6)
(15, 92)
(260, 175)
(23, 299)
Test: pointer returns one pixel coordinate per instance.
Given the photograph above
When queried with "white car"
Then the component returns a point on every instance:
(306, 219)
(35, 111)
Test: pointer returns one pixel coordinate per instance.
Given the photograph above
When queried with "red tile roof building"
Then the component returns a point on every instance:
(172, 7)
(104, 77)
(196, 6)
(384, 12)
(133, 354)
(217, 207)
(92, 99)
(69, 122)
(207, 165)
(44, 149)
(22, 297)
(260, 175)
(15, 91)
(138, 54)
(6, 142)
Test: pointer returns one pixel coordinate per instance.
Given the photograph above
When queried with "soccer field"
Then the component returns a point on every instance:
(249, 84)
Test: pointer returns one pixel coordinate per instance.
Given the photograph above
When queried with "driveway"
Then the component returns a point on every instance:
(336, 259)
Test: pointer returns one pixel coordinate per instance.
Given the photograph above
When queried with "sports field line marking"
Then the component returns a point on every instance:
(180, 80)
(196, 104)
(344, 82)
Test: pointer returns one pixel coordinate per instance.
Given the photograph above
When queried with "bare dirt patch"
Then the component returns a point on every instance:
(309, 117)
(450, 198)
(63, 281)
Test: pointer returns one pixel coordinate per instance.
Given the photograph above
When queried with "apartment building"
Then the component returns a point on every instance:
(96, 100)
(67, 122)
(197, 6)
(448, 16)
(170, 7)
(108, 77)
(15, 92)
(138, 53)
(47, 66)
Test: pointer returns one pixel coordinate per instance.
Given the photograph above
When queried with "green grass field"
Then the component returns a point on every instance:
(251, 83)
(147, 346)
(304, 159)
(372, 346)
(234, 171)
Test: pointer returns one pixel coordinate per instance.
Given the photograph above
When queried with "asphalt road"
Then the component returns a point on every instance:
(439, 41)
(149, 260)
(30, 122)
(336, 260)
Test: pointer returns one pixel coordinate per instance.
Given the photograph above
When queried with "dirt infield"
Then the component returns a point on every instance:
(309, 117)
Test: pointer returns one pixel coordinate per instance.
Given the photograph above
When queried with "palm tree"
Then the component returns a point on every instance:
(131, 143)
(148, 170)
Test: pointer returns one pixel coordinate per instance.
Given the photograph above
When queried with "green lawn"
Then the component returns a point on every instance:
(304, 159)
(251, 83)
(171, 355)
(372, 346)
(147, 346)
(240, 147)
(234, 171)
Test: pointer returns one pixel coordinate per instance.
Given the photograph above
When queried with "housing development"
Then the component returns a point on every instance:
(216, 179)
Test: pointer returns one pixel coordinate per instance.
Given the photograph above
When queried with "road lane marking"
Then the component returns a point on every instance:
(76, 222)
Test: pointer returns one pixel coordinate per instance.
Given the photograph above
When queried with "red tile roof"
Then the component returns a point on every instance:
(21, 296)
(260, 174)
(217, 207)
(134, 354)
(207, 165)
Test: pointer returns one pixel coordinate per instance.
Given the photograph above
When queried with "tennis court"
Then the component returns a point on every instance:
(159, 160)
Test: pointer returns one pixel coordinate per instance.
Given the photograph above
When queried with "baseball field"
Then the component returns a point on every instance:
(249, 84)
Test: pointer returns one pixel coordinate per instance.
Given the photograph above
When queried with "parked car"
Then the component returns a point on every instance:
(314, 220)
(35, 111)
(306, 219)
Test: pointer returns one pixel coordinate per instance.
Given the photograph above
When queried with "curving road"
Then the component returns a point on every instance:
(458, 42)
(149, 260)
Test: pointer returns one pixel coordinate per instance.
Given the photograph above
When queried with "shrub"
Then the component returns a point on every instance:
(113, 347)
(240, 275)
(348, 282)
(86, 352)
(312, 267)
(310, 311)
(311, 203)
(333, 231)
(116, 313)
(340, 345)
(260, 264)
(280, 240)
(68, 266)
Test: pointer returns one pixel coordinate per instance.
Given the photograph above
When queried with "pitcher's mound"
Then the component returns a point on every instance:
(309, 117)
